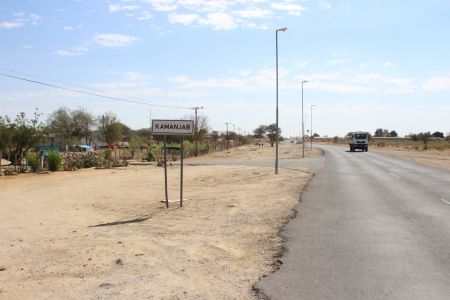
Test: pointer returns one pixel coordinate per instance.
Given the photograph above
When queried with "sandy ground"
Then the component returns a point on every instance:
(434, 158)
(429, 157)
(104, 234)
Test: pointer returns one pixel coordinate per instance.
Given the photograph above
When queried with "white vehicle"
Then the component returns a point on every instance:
(359, 140)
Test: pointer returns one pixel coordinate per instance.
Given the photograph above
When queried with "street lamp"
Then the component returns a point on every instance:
(226, 138)
(312, 134)
(276, 124)
(303, 125)
(196, 129)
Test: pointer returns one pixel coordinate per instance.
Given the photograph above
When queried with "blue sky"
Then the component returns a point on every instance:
(369, 64)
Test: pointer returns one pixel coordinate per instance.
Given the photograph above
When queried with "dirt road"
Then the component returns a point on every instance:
(104, 234)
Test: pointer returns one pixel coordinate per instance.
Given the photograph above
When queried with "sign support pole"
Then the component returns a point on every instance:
(165, 170)
(181, 170)
(173, 128)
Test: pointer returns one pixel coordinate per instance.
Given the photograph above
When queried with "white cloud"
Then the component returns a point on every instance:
(325, 4)
(185, 19)
(68, 53)
(387, 64)
(254, 12)
(363, 65)
(245, 73)
(114, 40)
(247, 80)
(218, 14)
(130, 85)
(337, 61)
(27, 46)
(68, 28)
(206, 5)
(219, 21)
(179, 79)
(302, 64)
(134, 76)
(10, 25)
(163, 5)
(21, 19)
(119, 7)
(289, 6)
(32, 19)
(146, 15)
(437, 84)
(347, 82)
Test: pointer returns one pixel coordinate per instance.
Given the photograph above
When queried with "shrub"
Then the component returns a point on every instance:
(33, 161)
(54, 161)
(89, 160)
(150, 156)
(108, 154)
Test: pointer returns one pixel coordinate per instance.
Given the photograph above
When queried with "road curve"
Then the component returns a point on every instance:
(369, 226)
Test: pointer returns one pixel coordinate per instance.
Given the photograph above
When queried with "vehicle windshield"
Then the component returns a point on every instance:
(360, 136)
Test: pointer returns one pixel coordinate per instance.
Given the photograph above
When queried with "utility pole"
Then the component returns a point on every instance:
(284, 29)
(227, 133)
(239, 136)
(303, 125)
(196, 128)
(312, 134)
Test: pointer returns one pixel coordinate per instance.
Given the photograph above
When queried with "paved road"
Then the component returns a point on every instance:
(369, 226)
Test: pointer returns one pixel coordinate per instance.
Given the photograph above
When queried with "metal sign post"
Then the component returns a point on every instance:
(173, 127)
(181, 170)
(165, 171)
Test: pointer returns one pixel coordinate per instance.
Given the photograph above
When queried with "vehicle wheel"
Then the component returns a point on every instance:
(367, 149)
(351, 149)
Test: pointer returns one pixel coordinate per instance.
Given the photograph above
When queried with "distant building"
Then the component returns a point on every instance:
(45, 149)
(83, 148)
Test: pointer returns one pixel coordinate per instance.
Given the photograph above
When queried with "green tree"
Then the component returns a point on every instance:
(260, 132)
(425, 138)
(268, 132)
(19, 136)
(84, 123)
(135, 143)
(109, 128)
(378, 132)
(60, 126)
(393, 133)
(438, 134)
(271, 133)
(69, 127)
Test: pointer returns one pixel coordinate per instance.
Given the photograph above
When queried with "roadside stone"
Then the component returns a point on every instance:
(106, 285)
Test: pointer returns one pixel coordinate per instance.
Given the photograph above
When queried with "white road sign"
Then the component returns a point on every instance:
(173, 127)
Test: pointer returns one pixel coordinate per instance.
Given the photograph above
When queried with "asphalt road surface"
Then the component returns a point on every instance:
(369, 226)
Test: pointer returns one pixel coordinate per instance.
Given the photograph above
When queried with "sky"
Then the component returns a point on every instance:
(369, 64)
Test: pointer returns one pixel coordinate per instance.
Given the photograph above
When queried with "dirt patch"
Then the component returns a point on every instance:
(429, 157)
(106, 234)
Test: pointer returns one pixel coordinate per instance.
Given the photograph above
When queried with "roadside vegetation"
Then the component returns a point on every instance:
(421, 141)
(68, 140)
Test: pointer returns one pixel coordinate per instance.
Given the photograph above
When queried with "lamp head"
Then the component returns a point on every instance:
(282, 29)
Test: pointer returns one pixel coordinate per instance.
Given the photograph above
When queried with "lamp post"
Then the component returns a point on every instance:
(312, 134)
(276, 122)
(303, 125)
(226, 138)
(196, 129)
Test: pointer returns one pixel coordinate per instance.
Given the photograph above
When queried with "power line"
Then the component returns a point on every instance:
(92, 94)
(49, 79)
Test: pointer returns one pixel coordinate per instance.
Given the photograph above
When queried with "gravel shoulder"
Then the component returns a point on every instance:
(105, 234)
